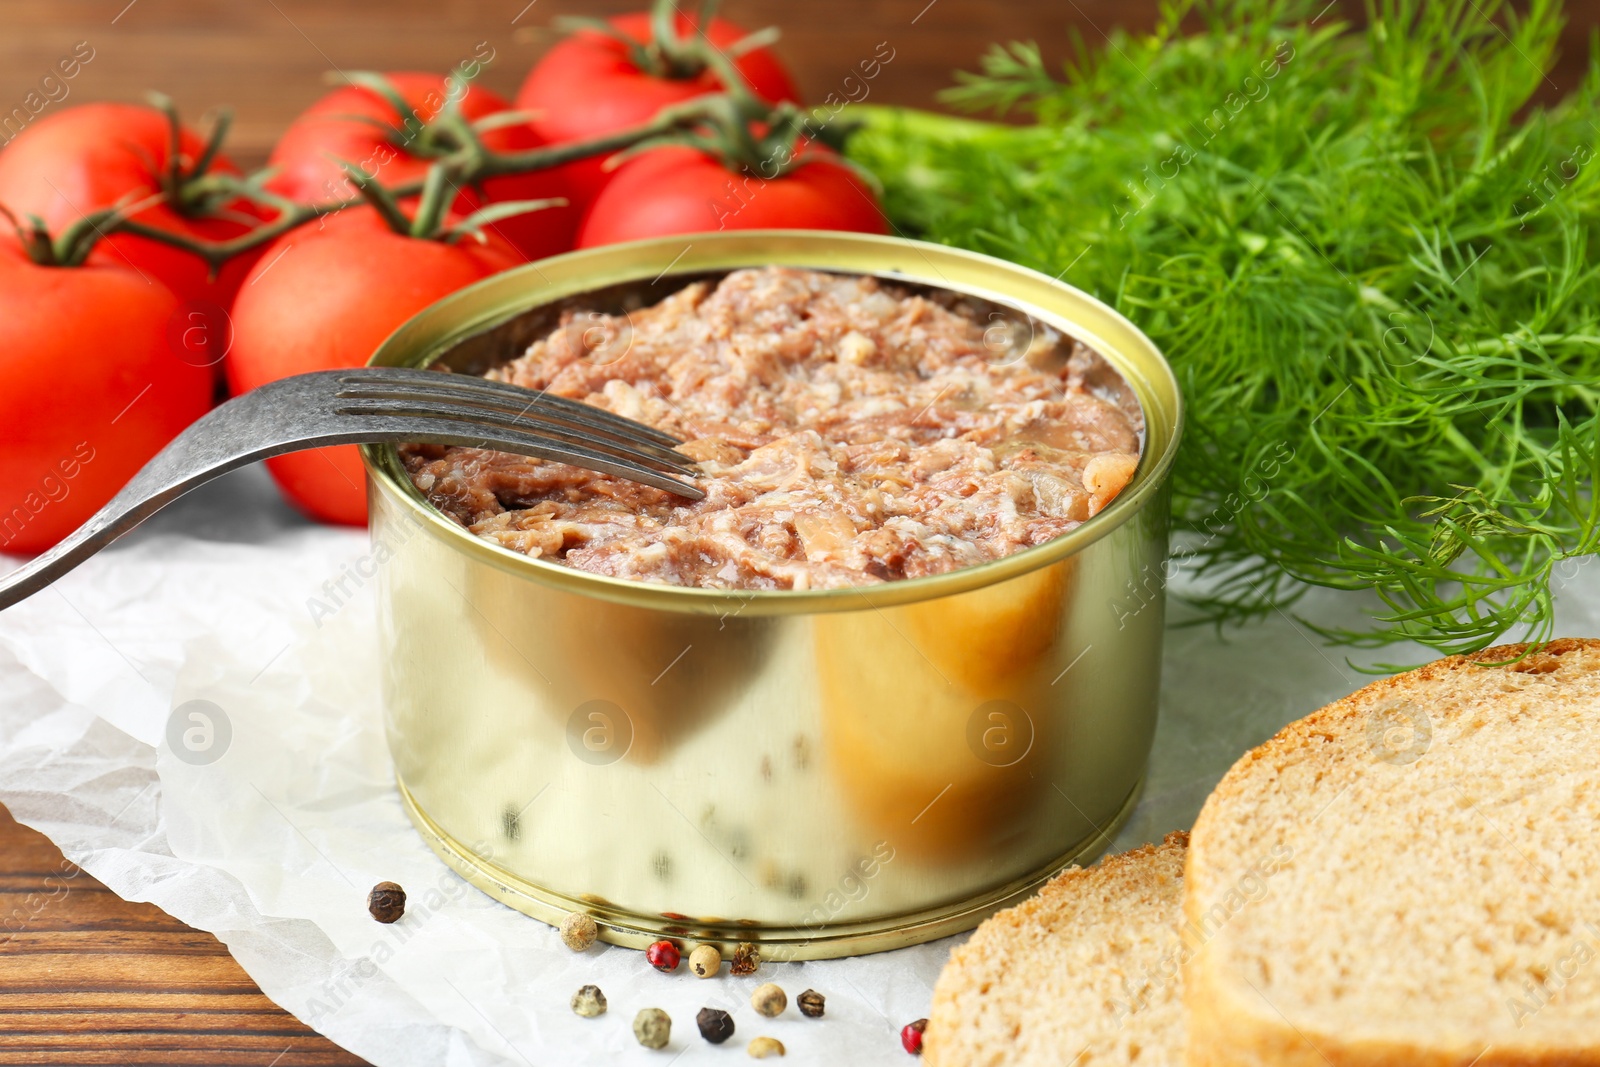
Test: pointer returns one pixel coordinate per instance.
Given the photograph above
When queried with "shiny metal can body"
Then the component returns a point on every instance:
(821, 773)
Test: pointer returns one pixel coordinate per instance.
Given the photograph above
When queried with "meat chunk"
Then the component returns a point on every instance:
(850, 433)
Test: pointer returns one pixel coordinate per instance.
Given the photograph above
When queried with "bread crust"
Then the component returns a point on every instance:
(1230, 1025)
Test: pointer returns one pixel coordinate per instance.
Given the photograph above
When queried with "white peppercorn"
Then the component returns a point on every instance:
(705, 961)
(769, 1000)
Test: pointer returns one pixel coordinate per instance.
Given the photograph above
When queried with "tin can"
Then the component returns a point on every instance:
(822, 773)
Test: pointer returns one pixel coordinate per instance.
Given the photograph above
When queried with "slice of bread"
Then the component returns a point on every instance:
(1083, 975)
(1410, 876)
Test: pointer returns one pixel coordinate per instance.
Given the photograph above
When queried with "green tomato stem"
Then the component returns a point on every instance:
(922, 123)
(468, 165)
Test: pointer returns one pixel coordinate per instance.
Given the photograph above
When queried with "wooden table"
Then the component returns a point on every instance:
(266, 58)
(86, 978)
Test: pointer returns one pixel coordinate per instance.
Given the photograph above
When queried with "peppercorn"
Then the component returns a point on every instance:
(387, 902)
(578, 931)
(811, 1004)
(588, 1001)
(663, 956)
(769, 1000)
(715, 1026)
(762, 1047)
(705, 961)
(746, 958)
(911, 1036)
(652, 1027)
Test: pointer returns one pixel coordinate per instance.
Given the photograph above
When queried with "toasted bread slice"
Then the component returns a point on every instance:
(1086, 973)
(1410, 876)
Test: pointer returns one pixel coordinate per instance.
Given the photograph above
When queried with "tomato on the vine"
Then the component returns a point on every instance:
(325, 298)
(361, 125)
(94, 156)
(90, 389)
(594, 83)
(677, 189)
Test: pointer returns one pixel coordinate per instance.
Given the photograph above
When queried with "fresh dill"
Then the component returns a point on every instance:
(1367, 256)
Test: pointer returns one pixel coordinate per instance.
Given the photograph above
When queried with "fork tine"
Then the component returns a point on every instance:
(488, 391)
(649, 456)
(469, 433)
(531, 410)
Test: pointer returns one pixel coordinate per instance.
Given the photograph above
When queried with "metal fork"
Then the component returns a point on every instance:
(368, 405)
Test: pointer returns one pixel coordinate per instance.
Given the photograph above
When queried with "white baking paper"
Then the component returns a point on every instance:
(281, 811)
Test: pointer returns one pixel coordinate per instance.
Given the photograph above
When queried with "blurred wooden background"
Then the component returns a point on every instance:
(266, 58)
(90, 979)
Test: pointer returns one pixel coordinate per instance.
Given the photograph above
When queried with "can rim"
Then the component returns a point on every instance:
(429, 334)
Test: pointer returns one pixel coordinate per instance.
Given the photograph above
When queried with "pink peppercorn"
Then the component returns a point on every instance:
(911, 1036)
(663, 956)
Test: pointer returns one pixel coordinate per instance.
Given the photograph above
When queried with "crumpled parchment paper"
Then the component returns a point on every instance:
(268, 824)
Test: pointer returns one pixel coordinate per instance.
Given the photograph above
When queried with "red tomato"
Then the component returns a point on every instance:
(588, 85)
(325, 298)
(90, 389)
(339, 127)
(90, 157)
(676, 189)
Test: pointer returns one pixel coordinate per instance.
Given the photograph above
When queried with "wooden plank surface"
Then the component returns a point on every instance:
(86, 978)
(266, 58)
(89, 978)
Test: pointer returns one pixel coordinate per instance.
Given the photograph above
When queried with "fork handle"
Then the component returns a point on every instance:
(291, 414)
(191, 459)
(287, 415)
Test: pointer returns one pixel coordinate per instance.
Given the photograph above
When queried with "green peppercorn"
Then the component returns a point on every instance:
(652, 1027)
(588, 1001)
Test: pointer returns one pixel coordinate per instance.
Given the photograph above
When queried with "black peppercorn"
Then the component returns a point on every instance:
(715, 1026)
(387, 902)
(811, 1004)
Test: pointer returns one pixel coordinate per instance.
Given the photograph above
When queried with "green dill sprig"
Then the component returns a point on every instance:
(1365, 253)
